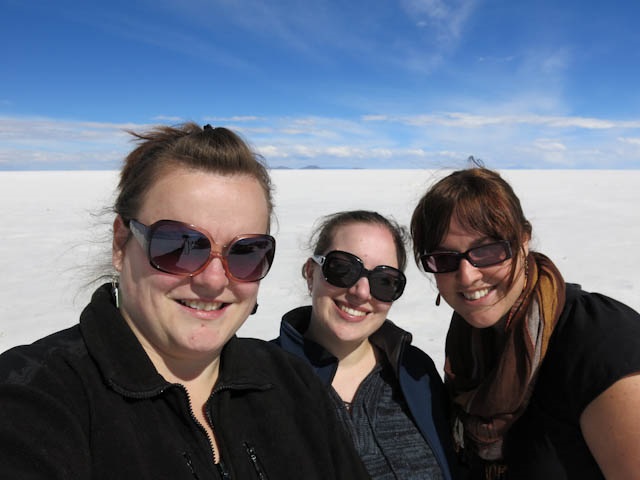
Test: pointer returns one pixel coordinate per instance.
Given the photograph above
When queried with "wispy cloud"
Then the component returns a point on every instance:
(445, 17)
(459, 119)
(370, 141)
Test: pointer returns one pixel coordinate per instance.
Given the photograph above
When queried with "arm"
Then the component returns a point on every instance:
(611, 427)
(39, 437)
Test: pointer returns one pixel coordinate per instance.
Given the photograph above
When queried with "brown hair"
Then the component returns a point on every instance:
(215, 150)
(481, 200)
(323, 233)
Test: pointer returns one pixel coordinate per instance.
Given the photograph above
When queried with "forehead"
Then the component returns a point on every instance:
(366, 240)
(215, 202)
(460, 237)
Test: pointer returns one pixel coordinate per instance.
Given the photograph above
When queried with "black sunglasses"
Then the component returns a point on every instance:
(343, 269)
(182, 249)
(482, 256)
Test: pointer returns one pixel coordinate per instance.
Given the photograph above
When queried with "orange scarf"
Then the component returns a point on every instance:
(490, 375)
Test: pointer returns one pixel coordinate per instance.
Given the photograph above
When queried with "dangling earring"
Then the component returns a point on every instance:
(255, 309)
(438, 300)
(115, 291)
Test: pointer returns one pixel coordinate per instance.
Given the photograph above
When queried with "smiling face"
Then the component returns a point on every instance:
(343, 318)
(189, 318)
(482, 296)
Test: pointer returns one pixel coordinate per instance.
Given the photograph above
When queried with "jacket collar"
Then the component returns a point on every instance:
(127, 368)
(123, 362)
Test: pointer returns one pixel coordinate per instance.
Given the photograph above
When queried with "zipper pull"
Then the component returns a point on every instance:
(224, 473)
(255, 461)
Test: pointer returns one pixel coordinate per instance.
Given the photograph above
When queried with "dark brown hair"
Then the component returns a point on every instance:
(215, 150)
(481, 201)
(322, 236)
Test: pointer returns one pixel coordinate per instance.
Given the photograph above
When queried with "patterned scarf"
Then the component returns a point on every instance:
(490, 375)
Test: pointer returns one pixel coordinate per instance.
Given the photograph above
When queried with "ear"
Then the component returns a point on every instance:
(120, 236)
(307, 272)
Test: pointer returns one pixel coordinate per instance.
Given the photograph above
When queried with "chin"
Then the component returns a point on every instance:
(482, 320)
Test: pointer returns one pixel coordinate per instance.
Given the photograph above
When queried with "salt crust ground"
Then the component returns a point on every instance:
(588, 222)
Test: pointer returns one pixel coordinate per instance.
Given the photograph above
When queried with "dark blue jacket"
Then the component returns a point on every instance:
(419, 380)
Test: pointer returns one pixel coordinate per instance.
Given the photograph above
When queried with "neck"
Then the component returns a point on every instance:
(345, 351)
(353, 369)
(353, 355)
(187, 369)
(188, 372)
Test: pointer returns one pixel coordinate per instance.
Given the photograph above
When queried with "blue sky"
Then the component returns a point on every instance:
(358, 84)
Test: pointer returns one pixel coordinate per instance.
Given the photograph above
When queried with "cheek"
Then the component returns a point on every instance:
(322, 295)
(318, 286)
(501, 275)
(444, 281)
(245, 290)
(383, 307)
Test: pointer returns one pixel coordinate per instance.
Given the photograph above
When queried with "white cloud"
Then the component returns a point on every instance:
(469, 120)
(374, 141)
(550, 145)
(631, 141)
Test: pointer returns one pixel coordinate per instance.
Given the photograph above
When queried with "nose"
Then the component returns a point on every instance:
(361, 289)
(213, 277)
(467, 274)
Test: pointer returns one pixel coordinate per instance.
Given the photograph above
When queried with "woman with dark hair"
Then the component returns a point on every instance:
(387, 392)
(543, 377)
(153, 383)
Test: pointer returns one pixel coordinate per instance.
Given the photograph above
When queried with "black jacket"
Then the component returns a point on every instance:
(87, 403)
(419, 380)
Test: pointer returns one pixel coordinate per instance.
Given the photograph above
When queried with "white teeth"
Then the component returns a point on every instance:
(476, 295)
(199, 305)
(352, 311)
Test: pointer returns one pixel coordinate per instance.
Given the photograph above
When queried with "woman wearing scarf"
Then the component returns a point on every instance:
(543, 377)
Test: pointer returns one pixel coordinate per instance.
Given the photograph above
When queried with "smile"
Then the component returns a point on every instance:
(476, 294)
(352, 311)
(200, 305)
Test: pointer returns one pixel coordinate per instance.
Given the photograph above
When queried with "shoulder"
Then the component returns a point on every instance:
(397, 344)
(417, 360)
(51, 356)
(596, 343)
(270, 362)
(592, 320)
(596, 307)
(46, 383)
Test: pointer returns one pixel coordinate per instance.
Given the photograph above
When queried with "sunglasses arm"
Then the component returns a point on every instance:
(319, 259)
(140, 232)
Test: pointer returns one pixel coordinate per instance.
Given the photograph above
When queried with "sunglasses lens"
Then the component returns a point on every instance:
(386, 283)
(249, 259)
(490, 254)
(174, 248)
(341, 270)
(440, 262)
(483, 256)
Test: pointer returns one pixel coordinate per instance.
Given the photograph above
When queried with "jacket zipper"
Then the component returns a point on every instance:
(222, 469)
(255, 461)
(187, 459)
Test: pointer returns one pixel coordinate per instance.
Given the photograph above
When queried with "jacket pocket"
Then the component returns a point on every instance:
(223, 472)
(255, 461)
